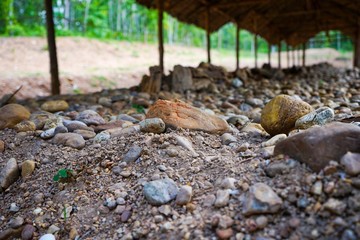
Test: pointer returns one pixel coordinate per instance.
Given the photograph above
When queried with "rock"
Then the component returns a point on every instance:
(181, 79)
(227, 138)
(14, 207)
(10, 233)
(73, 140)
(111, 125)
(159, 192)
(9, 174)
(320, 116)
(261, 199)
(317, 188)
(254, 128)
(110, 203)
(153, 125)
(55, 106)
(239, 121)
(348, 234)
(90, 117)
(118, 132)
(351, 163)
(60, 129)
(48, 133)
(85, 133)
(16, 222)
(184, 195)
(28, 232)
(75, 125)
(277, 168)
(222, 198)
(224, 233)
(261, 222)
(274, 140)
(40, 117)
(280, 114)
(185, 143)
(228, 183)
(125, 216)
(102, 136)
(2, 146)
(128, 118)
(319, 145)
(179, 114)
(25, 126)
(27, 168)
(133, 154)
(53, 229)
(335, 206)
(73, 234)
(47, 237)
(236, 83)
(11, 114)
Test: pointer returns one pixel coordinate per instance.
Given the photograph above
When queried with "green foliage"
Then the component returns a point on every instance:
(139, 108)
(64, 175)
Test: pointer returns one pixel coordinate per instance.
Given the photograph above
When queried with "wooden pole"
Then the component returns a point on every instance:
(160, 5)
(293, 55)
(357, 48)
(287, 56)
(269, 54)
(54, 71)
(256, 50)
(279, 55)
(304, 54)
(298, 55)
(208, 40)
(237, 46)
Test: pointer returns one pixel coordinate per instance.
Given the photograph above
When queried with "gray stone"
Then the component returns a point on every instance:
(74, 125)
(28, 232)
(274, 140)
(222, 198)
(277, 168)
(60, 129)
(102, 136)
(261, 199)
(320, 116)
(351, 163)
(228, 183)
(184, 195)
(335, 206)
(239, 121)
(236, 83)
(9, 174)
(133, 154)
(73, 140)
(86, 134)
(14, 207)
(159, 192)
(90, 117)
(152, 125)
(126, 117)
(227, 138)
(53, 229)
(47, 237)
(16, 222)
(185, 143)
(47, 134)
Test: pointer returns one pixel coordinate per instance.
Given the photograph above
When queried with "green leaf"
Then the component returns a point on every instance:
(63, 173)
(56, 178)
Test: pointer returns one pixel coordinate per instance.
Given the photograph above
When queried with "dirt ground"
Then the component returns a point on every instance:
(88, 65)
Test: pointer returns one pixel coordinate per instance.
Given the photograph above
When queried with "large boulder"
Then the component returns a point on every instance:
(12, 114)
(280, 114)
(179, 114)
(317, 146)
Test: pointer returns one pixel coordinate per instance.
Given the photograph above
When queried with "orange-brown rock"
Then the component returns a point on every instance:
(179, 114)
(12, 114)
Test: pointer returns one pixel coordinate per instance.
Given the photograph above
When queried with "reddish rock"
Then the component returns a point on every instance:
(319, 145)
(179, 114)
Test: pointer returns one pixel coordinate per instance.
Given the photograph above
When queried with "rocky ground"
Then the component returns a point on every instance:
(255, 154)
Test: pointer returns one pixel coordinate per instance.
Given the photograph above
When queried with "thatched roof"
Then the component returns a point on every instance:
(294, 21)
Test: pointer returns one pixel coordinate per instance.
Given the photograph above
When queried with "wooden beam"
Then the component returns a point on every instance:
(304, 54)
(237, 46)
(256, 50)
(54, 71)
(279, 55)
(208, 40)
(160, 6)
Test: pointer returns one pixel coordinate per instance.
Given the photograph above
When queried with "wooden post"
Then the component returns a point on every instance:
(293, 55)
(303, 54)
(298, 55)
(269, 54)
(256, 50)
(54, 71)
(237, 46)
(287, 55)
(208, 40)
(279, 55)
(160, 5)
(357, 47)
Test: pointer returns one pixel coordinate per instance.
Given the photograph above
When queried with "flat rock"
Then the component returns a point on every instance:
(133, 154)
(153, 125)
(55, 106)
(11, 114)
(27, 168)
(111, 125)
(90, 117)
(261, 199)
(320, 116)
(351, 163)
(319, 145)
(280, 114)
(159, 192)
(179, 114)
(86, 134)
(75, 125)
(274, 140)
(73, 140)
(25, 126)
(9, 174)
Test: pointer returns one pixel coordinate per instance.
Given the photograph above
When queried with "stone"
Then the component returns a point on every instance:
(161, 191)
(351, 163)
(60, 129)
(50, 133)
(47, 237)
(227, 138)
(261, 199)
(28, 232)
(185, 143)
(125, 216)
(335, 206)
(152, 125)
(320, 116)
(133, 154)
(40, 117)
(53, 229)
(222, 198)
(85, 133)
(261, 222)
(27, 168)
(181, 79)
(179, 114)
(16, 222)
(73, 140)
(14, 207)
(239, 121)
(75, 125)
(184, 195)
(224, 233)
(25, 126)
(236, 83)
(280, 114)
(55, 106)
(228, 183)
(12, 114)
(111, 125)
(317, 188)
(2, 146)
(90, 117)
(319, 145)
(277, 168)
(254, 128)
(9, 174)
(102, 136)
(119, 132)
(128, 118)
(274, 140)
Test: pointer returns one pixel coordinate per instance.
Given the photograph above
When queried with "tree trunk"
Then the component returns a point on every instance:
(67, 19)
(86, 16)
(55, 83)
(161, 34)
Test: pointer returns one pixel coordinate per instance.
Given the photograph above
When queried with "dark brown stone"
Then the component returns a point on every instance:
(319, 145)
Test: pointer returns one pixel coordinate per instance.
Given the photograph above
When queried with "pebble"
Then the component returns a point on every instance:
(74, 125)
(320, 116)
(277, 168)
(125, 174)
(12, 114)
(158, 218)
(274, 140)
(53, 229)
(73, 234)
(133, 154)
(128, 118)
(239, 121)
(184, 195)
(159, 192)
(120, 201)
(222, 198)
(351, 163)
(236, 83)
(9, 174)
(224, 233)
(228, 183)
(165, 209)
(60, 129)
(102, 136)
(317, 188)
(185, 143)
(125, 216)
(261, 199)
(90, 117)
(27, 168)
(335, 206)
(227, 138)
(16, 222)
(73, 140)
(152, 125)
(110, 203)
(55, 106)
(261, 222)
(14, 207)
(25, 126)
(28, 232)
(47, 237)
(47, 134)
(348, 234)
(209, 200)
(86, 134)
